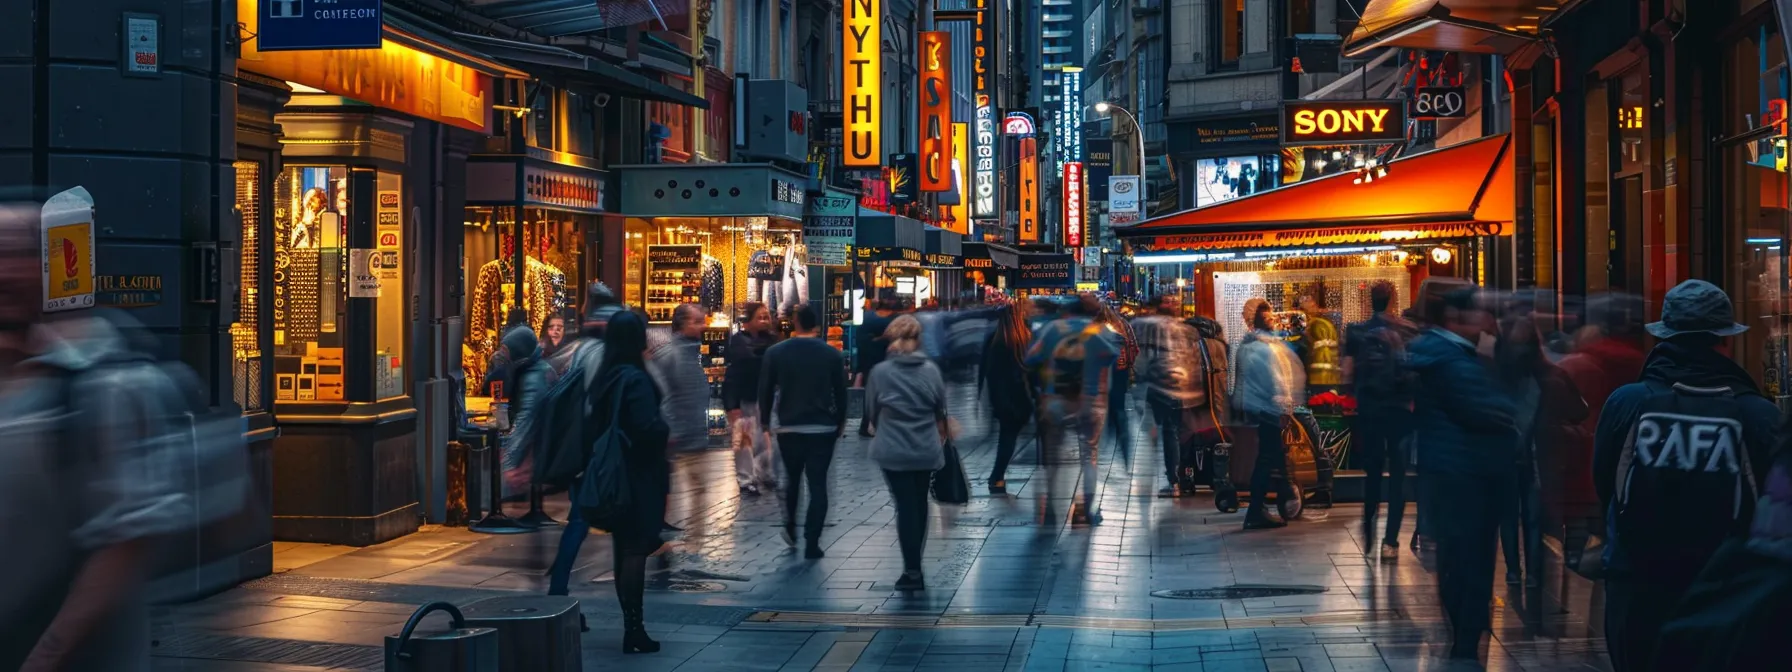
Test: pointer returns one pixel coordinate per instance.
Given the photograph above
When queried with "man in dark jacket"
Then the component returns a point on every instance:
(1675, 460)
(1468, 442)
(802, 389)
(1375, 368)
(868, 341)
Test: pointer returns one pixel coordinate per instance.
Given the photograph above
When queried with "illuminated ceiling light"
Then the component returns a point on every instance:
(1441, 255)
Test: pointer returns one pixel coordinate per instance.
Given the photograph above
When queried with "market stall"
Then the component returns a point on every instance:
(1312, 250)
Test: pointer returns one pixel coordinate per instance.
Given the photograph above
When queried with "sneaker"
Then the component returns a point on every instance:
(1390, 552)
(814, 552)
(1172, 490)
(1084, 516)
(750, 490)
(790, 535)
(911, 581)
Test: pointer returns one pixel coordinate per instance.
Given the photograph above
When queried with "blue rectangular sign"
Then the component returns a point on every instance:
(302, 25)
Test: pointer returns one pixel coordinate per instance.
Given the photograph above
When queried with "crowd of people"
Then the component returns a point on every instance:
(1645, 462)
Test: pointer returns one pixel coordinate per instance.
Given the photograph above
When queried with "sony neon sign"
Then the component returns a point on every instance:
(1343, 122)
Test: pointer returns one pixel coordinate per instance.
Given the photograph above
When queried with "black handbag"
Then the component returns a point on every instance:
(603, 496)
(950, 485)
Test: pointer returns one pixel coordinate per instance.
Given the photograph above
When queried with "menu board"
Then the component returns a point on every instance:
(674, 276)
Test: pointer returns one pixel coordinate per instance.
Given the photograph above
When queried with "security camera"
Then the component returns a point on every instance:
(603, 99)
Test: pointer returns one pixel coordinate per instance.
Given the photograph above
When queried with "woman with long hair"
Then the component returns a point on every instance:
(553, 334)
(1013, 393)
(905, 400)
(1547, 404)
(622, 382)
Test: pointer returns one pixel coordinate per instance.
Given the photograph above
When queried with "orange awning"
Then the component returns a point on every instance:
(1464, 26)
(1457, 191)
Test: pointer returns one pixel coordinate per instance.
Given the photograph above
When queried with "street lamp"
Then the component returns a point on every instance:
(1106, 107)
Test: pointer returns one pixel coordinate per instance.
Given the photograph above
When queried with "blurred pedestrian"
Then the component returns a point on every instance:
(587, 358)
(1608, 354)
(1120, 331)
(1675, 461)
(1375, 368)
(498, 369)
(870, 346)
(1270, 381)
(1076, 354)
(1166, 368)
(552, 335)
(740, 399)
(1545, 400)
(1468, 441)
(803, 401)
(1013, 391)
(85, 495)
(624, 384)
(906, 404)
(675, 360)
(527, 382)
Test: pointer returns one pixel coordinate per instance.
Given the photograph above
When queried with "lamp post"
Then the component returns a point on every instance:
(1138, 131)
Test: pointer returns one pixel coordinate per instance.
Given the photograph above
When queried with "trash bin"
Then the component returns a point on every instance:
(536, 633)
(460, 648)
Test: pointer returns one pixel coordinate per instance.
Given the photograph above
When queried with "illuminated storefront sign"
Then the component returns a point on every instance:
(1336, 122)
(1069, 135)
(1073, 204)
(960, 212)
(1029, 189)
(862, 46)
(936, 111)
(1018, 124)
(983, 86)
(394, 76)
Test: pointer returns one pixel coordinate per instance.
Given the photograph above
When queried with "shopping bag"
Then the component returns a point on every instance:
(950, 486)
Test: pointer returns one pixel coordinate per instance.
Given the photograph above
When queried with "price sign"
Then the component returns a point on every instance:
(1438, 102)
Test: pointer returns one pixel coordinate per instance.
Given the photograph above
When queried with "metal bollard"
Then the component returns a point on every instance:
(536, 633)
(458, 649)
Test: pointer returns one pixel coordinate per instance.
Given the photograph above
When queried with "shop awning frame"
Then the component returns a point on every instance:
(1002, 256)
(579, 69)
(1464, 189)
(1462, 26)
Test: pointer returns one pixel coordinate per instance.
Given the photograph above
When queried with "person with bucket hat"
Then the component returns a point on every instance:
(1675, 461)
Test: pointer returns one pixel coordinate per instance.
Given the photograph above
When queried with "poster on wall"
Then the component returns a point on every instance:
(1223, 179)
(363, 271)
(67, 221)
(829, 229)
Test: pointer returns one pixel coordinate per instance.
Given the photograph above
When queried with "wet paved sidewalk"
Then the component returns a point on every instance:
(1010, 587)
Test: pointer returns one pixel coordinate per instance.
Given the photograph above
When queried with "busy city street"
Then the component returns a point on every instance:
(1010, 587)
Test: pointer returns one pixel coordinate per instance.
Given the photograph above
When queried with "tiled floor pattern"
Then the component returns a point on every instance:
(1010, 587)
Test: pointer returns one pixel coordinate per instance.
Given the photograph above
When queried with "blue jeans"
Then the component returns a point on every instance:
(571, 539)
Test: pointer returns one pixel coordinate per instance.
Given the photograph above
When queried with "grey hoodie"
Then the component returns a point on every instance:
(905, 400)
(81, 445)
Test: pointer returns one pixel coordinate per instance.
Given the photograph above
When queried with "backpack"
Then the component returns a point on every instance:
(559, 420)
(1684, 481)
(604, 497)
(1064, 373)
(1380, 372)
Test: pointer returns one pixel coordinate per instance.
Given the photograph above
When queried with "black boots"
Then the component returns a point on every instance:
(1257, 518)
(634, 633)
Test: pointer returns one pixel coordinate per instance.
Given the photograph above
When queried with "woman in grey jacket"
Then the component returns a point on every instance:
(905, 400)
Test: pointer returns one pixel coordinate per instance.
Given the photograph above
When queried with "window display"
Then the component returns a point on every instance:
(312, 207)
(552, 275)
(674, 276)
(739, 260)
(245, 330)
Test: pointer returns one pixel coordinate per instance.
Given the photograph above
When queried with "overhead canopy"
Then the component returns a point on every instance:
(1464, 26)
(1457, 191)
(576, 70)
(556, 18)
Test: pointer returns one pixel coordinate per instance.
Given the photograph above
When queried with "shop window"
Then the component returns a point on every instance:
(1300, 18)
(1756, 220)
(313, 284)
(247, 383)
(390, 311)
(311, 230)
(1597, 188)
(1543, 201)
(740, 260)
(1227, 38)
(553, 278)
